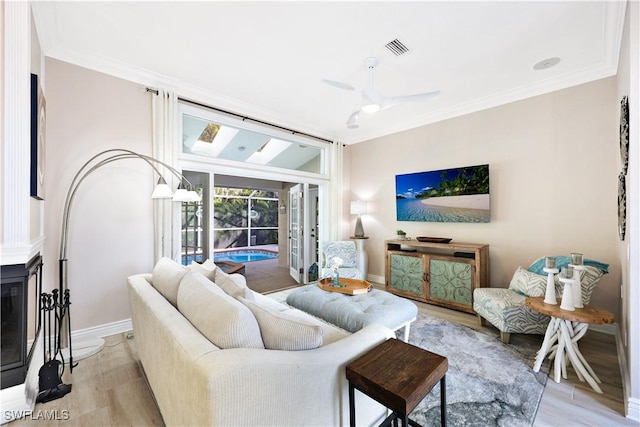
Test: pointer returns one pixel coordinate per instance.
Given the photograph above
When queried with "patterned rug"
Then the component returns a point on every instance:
(488, 383)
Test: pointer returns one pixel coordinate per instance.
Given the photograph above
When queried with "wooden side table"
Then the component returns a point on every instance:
(561, 339)
(399, 376)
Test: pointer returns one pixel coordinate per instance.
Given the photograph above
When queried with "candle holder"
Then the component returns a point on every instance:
(550, 294)
(566, 277)
(550, 262)
(577, 285)
(567, 295)
(576, 258)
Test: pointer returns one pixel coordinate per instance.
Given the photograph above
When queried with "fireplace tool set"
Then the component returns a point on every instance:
(56, 306)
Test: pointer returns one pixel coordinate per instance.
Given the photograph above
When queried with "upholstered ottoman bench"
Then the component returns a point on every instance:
(353, 312)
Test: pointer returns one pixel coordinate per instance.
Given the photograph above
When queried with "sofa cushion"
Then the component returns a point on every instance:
(226, 322)
(207, 269)
(528, 283)
(506, 310)
(234, 285)
(282, 331)
(166, 278)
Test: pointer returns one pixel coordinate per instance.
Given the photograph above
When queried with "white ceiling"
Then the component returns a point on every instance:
(266, 60)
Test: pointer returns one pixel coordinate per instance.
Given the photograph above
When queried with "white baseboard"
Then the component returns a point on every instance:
(375, 279)
(611, 329)
(632, 406)
(633, 409)
(102, 331)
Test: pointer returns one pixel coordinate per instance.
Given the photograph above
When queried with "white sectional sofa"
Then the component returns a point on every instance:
(197, 344)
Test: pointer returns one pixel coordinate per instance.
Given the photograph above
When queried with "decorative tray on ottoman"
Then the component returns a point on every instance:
(351, 286)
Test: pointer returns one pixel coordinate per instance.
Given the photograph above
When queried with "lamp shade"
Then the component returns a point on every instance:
(358, 207)
(193, 196)
(181, 195)
(162, 190)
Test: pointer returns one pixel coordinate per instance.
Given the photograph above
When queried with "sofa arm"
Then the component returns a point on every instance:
(290, 387)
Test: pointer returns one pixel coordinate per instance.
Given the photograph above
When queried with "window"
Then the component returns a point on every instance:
(244, 217)
(194, 234)
(214, 139)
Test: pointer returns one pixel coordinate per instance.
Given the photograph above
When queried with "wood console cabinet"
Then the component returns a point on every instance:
(437, 273)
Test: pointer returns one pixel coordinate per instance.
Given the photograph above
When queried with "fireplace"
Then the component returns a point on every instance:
(21, 288)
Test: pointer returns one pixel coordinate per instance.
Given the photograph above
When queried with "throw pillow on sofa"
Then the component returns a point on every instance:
(166, 277)
(528, 283)
(282, 331)
(225, 321)
(234, 285)
(207, 269)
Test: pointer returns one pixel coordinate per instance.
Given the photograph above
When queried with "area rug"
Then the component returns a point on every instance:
(488, 383)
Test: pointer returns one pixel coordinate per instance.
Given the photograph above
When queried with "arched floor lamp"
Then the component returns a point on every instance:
(184, 193)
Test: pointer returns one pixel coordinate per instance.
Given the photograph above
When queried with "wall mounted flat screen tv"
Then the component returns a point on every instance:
(447, 195)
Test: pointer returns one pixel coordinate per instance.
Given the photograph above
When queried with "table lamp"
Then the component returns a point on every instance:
(358, 208)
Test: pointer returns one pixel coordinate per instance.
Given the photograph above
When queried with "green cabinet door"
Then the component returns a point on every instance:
(406, 274)
(451, 281)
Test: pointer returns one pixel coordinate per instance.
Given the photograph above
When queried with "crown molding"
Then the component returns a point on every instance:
(612, 27)
(185, 90)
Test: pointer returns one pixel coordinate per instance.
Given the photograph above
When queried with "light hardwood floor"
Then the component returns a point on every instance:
(109, 389)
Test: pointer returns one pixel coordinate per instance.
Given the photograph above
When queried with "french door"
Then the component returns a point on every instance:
(296, 232)
(303, 230)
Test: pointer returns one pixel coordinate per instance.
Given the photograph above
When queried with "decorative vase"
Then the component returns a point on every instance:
(336, 277)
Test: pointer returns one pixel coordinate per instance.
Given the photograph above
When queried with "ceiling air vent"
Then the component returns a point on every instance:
(397, 47)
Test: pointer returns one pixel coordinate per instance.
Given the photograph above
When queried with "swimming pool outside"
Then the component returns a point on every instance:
(244, 255)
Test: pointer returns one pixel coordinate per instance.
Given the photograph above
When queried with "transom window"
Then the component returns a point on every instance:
(213, 139)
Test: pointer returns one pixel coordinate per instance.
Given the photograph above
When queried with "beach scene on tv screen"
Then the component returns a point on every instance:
(447, 195)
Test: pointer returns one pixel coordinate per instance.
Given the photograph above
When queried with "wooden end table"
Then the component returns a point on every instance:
(561, 339)
(399, 376)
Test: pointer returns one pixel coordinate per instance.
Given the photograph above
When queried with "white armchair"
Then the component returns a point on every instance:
(353, 264)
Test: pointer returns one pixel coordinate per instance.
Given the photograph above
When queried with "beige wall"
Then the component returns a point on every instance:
(111, 232)
(553, 177)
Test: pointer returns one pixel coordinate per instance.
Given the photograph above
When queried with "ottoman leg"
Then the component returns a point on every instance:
(405, 338)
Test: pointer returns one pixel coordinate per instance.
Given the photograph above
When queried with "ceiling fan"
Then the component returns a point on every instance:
(373, 101)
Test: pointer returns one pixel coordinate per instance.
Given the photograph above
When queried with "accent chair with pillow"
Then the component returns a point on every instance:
(506, 310)
(352, 266)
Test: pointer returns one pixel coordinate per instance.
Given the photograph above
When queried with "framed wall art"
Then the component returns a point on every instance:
(624, 134)
(447, 195)
(38, 127)
(622, 206)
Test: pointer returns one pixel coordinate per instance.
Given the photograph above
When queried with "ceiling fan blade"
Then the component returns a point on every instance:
(373, 96)
(394, 100)
(352, 122)
(338, 84)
